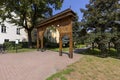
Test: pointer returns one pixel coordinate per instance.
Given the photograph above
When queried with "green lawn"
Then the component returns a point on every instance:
(81, 46)
(91, 67)
(20, 50)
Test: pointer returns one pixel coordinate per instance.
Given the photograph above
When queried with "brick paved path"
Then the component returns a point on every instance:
(32, 65)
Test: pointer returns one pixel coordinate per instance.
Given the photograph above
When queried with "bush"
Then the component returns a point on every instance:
(116, 41)
(117, 45)
(24, 44)
(102, 43)
(11, 45)
(19, 46)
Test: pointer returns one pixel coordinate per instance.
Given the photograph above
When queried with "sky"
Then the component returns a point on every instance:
(75, 5)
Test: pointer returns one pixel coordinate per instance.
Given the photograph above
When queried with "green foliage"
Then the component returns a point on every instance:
(28, 13)
(9, 45)
(117, 45)
(105, 43)
(76, 29)
(12, 45)
(103, 46)
(116, 41)
(19, 46)
(101, 14)
(102, 43)
(80, 36)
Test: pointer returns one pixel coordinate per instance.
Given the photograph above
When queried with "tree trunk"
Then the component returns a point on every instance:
(29, 39)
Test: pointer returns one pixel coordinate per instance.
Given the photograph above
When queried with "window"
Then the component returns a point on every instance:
(6, 40)
(18, 31)
(3, 28)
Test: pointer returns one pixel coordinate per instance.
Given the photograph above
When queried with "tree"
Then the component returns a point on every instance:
(27, 13)
(101, 13)
(75, 28)
(79, 32)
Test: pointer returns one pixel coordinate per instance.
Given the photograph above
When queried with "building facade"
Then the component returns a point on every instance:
(10, 32)
(52, 35)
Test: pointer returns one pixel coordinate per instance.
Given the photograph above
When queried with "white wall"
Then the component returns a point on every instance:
(11, 33)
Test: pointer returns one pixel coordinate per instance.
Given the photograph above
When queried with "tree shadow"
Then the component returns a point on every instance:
(96, 52)
(66, 53)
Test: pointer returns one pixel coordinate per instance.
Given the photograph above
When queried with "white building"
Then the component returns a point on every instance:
(52, 34)
(10, 32)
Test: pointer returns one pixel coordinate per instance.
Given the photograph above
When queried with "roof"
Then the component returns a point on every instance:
(61, 15)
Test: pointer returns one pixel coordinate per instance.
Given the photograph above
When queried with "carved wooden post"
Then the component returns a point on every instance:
(71, 47)
(71, 40)
(60, 46)
(41, 42)
(38, 42)
(41, 39)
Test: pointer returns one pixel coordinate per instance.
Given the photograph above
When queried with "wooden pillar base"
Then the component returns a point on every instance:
(42, 49)
(38, 49)
(60, 46)
(71, 47)
(70, 55)
(60, 53)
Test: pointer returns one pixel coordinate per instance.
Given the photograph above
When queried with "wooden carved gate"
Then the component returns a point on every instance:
(63, 22)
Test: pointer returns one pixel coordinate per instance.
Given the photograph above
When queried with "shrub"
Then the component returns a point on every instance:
(24, 44)
(117, 45)
(11, 45)
(116, 41)
(19, 46)
(102, 43)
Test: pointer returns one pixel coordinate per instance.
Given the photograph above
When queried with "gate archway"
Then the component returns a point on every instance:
(63, 22)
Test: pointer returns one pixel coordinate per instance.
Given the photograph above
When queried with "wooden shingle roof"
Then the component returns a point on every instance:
(61, 15)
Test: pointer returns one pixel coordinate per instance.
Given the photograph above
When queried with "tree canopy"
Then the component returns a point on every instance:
(27, 13)
(101, 16)
(101, 13)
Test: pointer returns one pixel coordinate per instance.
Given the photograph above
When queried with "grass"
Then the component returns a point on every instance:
(20, 50)
(91, 67)
(60, 75)
(81, 46)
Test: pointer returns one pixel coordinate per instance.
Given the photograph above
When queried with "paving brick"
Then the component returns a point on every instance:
(32, 65)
